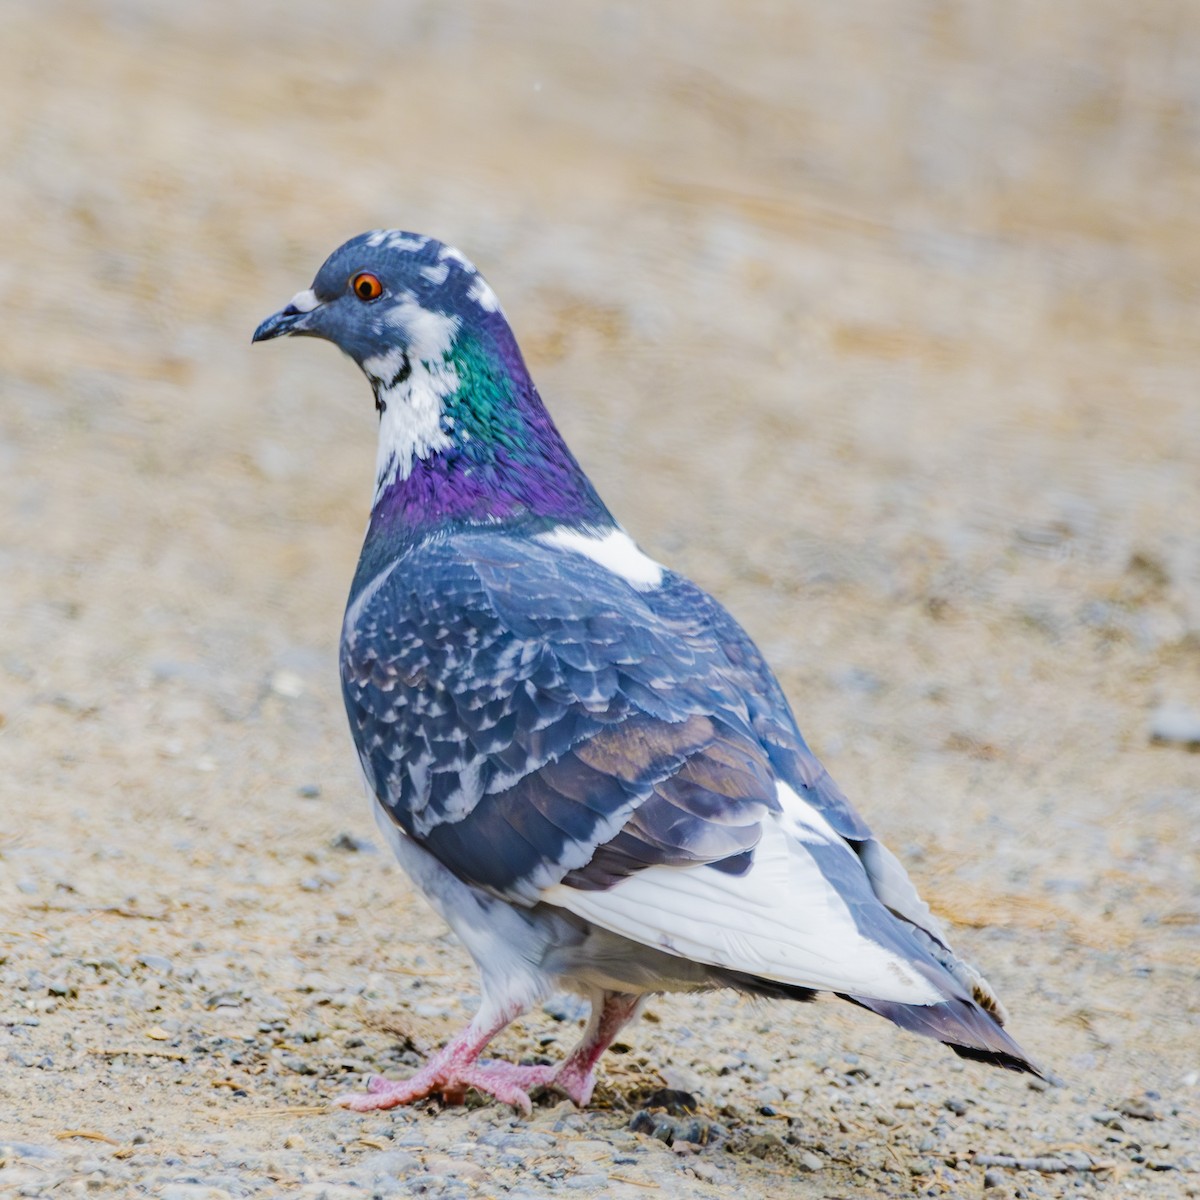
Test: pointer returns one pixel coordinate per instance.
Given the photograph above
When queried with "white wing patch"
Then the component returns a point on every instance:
(782, 920)
(616, 551)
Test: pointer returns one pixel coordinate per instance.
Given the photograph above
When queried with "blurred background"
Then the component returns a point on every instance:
(880, 321)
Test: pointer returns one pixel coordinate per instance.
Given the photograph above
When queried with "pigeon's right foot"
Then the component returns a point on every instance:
(575, 1076)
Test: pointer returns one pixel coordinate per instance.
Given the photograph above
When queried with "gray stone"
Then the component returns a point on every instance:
(595, 1179)
(1175, 725)
(26, 1150)
(394, 1163)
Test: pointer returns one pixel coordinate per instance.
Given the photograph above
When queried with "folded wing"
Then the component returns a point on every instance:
(554, 734)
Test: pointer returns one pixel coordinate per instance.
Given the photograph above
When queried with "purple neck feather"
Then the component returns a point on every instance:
(507, 461)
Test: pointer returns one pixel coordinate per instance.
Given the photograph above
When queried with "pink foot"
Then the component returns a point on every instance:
(450, 1079)
(456, 1068)
(575, 1080)
(575, 1076)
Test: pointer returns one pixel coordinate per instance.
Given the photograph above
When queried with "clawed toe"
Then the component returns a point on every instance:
(576, 1085)
(503, 1081)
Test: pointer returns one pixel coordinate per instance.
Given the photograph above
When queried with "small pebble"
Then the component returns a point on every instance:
(397, 1163)
(1139, 1107)
(597, 1179)
(26, 1150)
(351, 843)
(1175, 725)
(287, 684)
(566, 1007)
(676, 1102)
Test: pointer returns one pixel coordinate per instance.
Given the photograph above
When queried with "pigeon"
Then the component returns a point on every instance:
(578, 755)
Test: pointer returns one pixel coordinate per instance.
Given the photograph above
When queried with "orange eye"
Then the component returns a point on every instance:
(366, 286)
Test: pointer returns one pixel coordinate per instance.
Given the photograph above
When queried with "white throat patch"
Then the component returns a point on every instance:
(411, 418)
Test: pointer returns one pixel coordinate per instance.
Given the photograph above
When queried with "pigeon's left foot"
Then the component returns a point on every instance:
(575, 1076)
(449, 1077)
(452, 1071)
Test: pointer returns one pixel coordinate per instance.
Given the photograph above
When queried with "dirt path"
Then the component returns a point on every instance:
(883, 327)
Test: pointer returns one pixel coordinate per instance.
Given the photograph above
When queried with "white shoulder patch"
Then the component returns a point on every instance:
(615, 551)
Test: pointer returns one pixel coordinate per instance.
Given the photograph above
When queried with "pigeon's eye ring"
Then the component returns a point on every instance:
(366, 286)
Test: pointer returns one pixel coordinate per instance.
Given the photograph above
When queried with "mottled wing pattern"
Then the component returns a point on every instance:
(695, 613)
(528, 716)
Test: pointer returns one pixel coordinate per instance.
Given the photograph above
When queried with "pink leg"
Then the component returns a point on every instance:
(454, 1069)
(575, 1076)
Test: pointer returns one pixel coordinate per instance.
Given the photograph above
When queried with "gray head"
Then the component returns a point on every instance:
(463, 433)
(387, 298)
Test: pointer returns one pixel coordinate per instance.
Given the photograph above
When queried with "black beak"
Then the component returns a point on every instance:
(285, 321)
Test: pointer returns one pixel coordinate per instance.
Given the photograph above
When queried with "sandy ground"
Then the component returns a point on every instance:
(881, 321)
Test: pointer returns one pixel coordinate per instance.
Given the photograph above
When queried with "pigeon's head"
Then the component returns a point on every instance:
(388, 299)
(462, 430)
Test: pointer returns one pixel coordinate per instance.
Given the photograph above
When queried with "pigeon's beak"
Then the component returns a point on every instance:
(295, 318)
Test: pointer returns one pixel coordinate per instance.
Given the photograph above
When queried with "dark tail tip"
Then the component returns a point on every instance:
(967, 1029)
(998, 1058)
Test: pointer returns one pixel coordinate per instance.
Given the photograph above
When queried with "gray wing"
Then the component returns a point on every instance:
(530, 718)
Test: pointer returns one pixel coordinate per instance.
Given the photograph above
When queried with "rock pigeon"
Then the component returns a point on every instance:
(579, 756)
